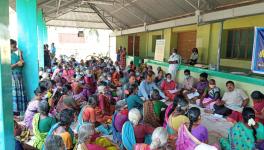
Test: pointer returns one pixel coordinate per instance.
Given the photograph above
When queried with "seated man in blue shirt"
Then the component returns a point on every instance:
(147, 86)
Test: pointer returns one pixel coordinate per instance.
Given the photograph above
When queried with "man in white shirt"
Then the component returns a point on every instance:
(174, 61)
(234, 99)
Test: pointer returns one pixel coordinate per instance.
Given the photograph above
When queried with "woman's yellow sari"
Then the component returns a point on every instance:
(39, 137)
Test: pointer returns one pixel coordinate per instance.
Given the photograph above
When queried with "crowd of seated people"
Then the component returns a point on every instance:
(100, 105)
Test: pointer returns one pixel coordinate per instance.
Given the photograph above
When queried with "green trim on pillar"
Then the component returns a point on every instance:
(28, 43)
(41, 34)
(6, 113)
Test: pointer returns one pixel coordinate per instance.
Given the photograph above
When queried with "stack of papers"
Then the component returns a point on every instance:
(193, 95)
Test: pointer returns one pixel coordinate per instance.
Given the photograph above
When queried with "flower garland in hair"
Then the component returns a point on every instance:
(251, 122)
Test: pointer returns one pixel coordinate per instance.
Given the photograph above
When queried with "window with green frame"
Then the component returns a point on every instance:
(238, 43)
(154, 38)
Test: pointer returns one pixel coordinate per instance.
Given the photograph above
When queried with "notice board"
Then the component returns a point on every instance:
(258, 51)
(159, 49)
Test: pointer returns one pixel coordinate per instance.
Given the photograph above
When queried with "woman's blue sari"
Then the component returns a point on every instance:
(128, 135)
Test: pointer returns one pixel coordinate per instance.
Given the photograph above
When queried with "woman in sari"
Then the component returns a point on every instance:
(153, 110)
(18, 93)
(62, 128)
(54, 142)
(42, 124)
(134, 132)
(244, 135)
(186, 141)
(159, 79)
(32, 108)
(104, 102)
(123, 59)
(118, 120)
(177, 117)
(210, 96)
(115, 77)
(159, 140)
(168, 86)
(195, 127)
(88, 139)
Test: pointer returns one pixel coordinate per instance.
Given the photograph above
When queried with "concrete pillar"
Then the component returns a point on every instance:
(6, 113)
(40, 27)
(28, 43)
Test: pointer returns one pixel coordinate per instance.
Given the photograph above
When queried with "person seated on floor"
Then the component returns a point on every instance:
(232, 103)
(133, 100)
(54, 142)
(42, 123)
(159, 140)
(17, 132)
(90, 81)
(119, 118)
(62, 128)
(187, 141)
(115, 77)
(246, 134)
(88, 139)
(258, 105)
(168, 86)
(189, 81)
(210, 95)
(202, 84)
(147, 86)
(131, 66)
(134, 132)
(66, 102)
(104, 101)
(177, 117)
(195, 127)
(79, 93)
(32, 107)
(131, 81)
(171, 107)
(158, 80)
(154, 110)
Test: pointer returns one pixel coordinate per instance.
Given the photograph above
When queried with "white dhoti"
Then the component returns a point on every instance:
(173, 68)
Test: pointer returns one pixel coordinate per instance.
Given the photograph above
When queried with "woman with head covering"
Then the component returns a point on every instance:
(32, 108)
(245, 134)
(62, 128)
(134, 132)
(159, 140)
(115, 77)
(119, 118)
(168, 86)
(42, 124)
(88, 139)
(54, 142)
(153, 110)
(104, 101)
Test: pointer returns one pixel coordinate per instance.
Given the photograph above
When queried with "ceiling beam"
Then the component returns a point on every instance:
(44, 3)
(63, 6)
(101, 16)
(76, 26)
(145, 12)
(75, 20)
(85, 12)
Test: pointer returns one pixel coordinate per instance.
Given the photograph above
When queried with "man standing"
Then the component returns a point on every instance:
(53, 50)
(174, 61)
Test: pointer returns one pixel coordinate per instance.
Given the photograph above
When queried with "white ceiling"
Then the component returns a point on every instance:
(125, 14)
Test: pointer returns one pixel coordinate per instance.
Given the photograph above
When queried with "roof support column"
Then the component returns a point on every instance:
(40, 27)
(28, 43)
(6, 113)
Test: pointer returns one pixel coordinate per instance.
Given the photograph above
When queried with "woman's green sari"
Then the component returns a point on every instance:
(241, 137)
(39, 137)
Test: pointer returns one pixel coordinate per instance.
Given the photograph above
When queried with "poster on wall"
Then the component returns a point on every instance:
(159, 49)
(257, 65)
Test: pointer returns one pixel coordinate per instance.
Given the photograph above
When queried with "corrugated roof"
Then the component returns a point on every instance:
(124, 14)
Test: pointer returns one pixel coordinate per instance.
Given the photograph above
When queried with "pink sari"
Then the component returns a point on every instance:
(141, 147)
(167, 115)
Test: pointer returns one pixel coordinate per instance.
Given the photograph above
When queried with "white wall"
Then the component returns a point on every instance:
(91, 46)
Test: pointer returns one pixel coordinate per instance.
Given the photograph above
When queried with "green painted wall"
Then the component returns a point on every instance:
(207, 40)
(122, 41)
